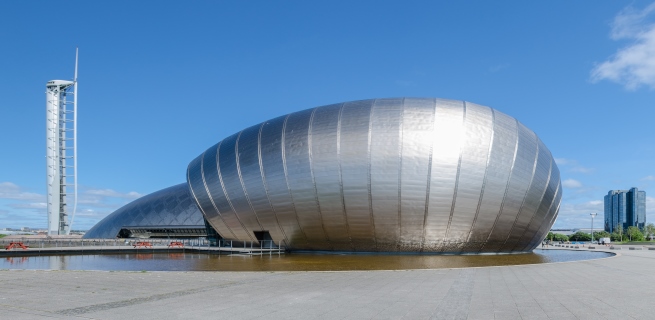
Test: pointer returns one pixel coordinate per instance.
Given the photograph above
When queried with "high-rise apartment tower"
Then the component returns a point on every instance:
(626, 208)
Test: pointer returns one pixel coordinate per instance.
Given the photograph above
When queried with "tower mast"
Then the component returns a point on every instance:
(61, 147)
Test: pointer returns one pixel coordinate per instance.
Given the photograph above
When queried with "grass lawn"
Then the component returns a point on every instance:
(635, 242)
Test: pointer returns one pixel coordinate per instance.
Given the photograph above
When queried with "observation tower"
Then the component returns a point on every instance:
(61, 150)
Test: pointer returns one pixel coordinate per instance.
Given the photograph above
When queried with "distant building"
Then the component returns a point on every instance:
(626, 208)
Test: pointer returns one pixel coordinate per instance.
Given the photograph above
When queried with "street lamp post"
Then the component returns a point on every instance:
(593, 215)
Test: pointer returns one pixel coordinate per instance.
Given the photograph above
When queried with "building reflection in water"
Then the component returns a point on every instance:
(288, 262)
(144, 256)
(17, 260)
(58, 262)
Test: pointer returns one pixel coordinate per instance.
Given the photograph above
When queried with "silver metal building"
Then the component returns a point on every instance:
(167, 213)
(383, 175)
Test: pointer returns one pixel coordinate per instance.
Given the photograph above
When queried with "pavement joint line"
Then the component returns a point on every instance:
(522, 284)
(152, 298)
(129, 302)
(457, 302)
(616, 269)
(24, 310)
(615, 308)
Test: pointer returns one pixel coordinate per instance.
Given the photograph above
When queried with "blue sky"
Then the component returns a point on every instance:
(161, 83)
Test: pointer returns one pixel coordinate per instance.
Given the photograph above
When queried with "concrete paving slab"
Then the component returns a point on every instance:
(572, 290)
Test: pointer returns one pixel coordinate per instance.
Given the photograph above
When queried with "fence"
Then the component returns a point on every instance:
(191, 243)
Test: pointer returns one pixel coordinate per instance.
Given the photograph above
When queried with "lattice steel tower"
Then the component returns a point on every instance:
(61, 149)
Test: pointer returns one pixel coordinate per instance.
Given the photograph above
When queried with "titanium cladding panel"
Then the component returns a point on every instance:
(383, 175)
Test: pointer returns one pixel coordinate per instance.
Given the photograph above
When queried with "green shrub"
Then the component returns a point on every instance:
(580, 236)
(557, 237)
(601, 234)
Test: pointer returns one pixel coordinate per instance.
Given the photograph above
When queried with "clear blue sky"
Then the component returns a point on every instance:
(162, 81)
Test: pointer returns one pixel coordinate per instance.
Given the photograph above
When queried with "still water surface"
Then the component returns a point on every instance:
(284, 262)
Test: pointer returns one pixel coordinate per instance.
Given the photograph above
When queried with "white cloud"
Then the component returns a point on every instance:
(633, 65)
(20, 208)
(11, 191)
(585, 207)
(113, 194)
(563, 161)
(577, 215)
(571, 183)
(572, 165)
(648, 178)
(28, 205)
(631, 21)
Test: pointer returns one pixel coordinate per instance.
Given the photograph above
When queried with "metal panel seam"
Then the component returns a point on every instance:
(400, 172)
(227, 196)
(188, 179)
(193, 194)
(525, 196)
(556, 210)
(459, 167)
(243, 186)
(550, 170)
(486, 170)
(311, 173)
(261, 172)
(559, 185)
(368, 150)
(559, 204)
(429, 177)
(286, 175)
(209, 195)
(343, 199)
(509, 178)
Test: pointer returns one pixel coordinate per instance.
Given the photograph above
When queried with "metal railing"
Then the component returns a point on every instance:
(196, 243)
(250, 247)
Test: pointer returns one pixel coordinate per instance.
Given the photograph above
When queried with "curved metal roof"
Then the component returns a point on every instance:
(168, 207)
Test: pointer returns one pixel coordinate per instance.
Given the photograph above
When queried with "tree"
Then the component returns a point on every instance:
(649, 231)
(635, 234)
(601, 234)
(617, 235)
(580, 236)
(560, 237)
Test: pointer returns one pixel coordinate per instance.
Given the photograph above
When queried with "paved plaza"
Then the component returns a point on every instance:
(612, 288)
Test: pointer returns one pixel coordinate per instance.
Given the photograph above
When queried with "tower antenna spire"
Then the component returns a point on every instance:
(74, 143)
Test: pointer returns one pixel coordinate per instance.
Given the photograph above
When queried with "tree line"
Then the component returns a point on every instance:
(619, 235)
